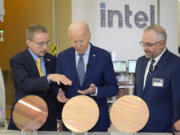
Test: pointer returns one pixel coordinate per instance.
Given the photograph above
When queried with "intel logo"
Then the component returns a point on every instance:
(140, 18)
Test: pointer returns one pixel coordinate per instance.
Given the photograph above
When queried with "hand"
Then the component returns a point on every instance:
(61, 96)
(59, 78)
(176, 128)
(60, 125)
(90, 90)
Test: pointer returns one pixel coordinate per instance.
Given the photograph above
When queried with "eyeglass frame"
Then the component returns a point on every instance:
(149, 44)
(42, 43)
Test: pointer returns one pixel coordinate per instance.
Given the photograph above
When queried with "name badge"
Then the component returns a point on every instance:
(157, 82)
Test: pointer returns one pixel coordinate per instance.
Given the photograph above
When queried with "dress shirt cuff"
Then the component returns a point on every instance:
(48, 80)
(96, 92)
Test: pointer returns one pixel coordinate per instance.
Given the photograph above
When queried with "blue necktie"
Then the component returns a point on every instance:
(150, 69)
(81, 69)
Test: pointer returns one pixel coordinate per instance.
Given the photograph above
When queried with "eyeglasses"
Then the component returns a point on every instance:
(149, 44)
(42, 43)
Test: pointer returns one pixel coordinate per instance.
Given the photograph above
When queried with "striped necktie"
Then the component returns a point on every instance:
(38, 64)
(150, 69)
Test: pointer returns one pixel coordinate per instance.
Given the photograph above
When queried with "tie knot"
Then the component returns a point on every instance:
(152, 61)
(81, 55)
(39, 60)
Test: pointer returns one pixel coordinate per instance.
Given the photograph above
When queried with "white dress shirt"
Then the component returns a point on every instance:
(154, 65)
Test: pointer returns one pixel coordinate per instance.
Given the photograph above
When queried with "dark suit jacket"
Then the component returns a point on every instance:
(99, 71)
(163, 102)
(28, 82)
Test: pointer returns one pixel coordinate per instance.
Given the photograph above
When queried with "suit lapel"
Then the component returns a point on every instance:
(32, 63)
(91, 62)
(161, 63)
(143, 69)
(47, 65)
(72, 61)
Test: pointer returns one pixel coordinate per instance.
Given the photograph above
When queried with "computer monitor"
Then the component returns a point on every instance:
(119, 66)
(131, 66)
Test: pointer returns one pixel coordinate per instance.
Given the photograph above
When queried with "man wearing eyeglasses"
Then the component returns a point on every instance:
(157, 80)
(33, 72)
(91, 71)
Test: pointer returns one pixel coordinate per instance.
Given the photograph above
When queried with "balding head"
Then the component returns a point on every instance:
(79, 26)
(159, 30)
(80, 36)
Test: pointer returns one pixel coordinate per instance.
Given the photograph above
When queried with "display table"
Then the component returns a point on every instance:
(11, 132)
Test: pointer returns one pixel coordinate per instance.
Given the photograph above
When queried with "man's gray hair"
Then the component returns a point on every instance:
(159, 30)
(31, 30)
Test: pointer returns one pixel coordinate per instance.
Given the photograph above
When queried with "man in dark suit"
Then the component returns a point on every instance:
(29, 80)
(91, 71)
(157, 80)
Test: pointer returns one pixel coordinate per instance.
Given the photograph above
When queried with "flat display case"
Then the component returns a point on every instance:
(8, 132)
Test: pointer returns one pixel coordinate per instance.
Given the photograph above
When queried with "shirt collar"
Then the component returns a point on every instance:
(35, 57)
(159, 56)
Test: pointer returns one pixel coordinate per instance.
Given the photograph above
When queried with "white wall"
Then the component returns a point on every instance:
(169, 20)
(124, 41)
